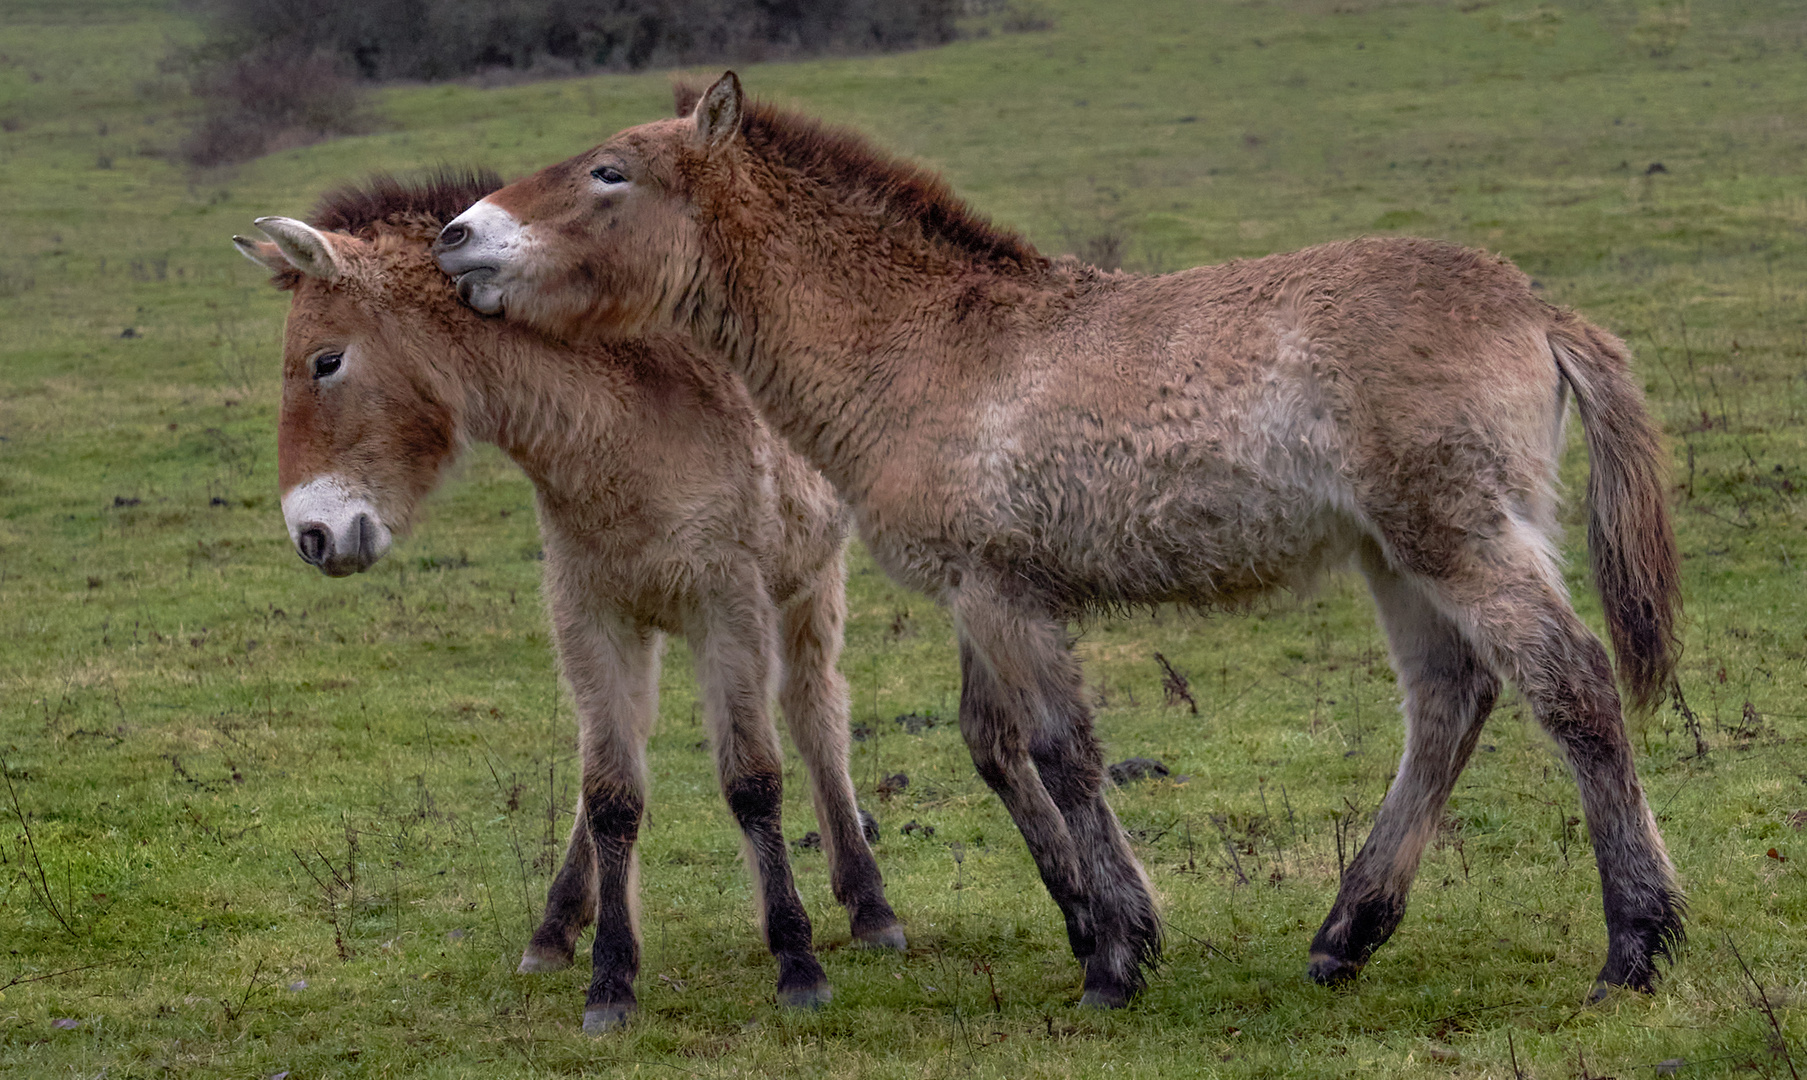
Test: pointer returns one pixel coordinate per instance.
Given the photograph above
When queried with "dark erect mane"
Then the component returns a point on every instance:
(844, 161)
(440, 196)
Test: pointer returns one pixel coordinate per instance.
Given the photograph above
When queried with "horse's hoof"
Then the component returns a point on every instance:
(806, 997)
(602, 1019)
(1327, 970)
(1604, 989)
(1641, 979)
(538, 960)
(1103, 999)
(890, 937)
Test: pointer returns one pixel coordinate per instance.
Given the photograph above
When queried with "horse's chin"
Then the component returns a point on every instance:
(478, 289)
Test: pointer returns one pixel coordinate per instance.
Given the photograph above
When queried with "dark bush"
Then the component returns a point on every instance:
(278, 73)
(268, 100)
(440, 39)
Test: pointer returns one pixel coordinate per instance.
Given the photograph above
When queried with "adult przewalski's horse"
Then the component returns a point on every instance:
(1028, 441)
(665, 506)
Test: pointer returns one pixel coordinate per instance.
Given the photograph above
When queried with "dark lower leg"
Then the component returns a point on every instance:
(756, 798)
(1565, 674)
(995, 740)
(814, 699)
(855, 880)
(613, 817)
(1125, 926)
(733, 647)
(570, 905)
(1371, 899)
(1644, 908)
(1449, 693)
(1021, 700)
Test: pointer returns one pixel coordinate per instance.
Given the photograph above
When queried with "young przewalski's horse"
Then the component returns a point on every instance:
(665, 506)
(1028, 441)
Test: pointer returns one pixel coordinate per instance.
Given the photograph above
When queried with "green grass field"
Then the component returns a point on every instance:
(259, 822)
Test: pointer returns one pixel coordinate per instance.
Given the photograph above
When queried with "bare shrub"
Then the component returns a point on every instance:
(982, 18)
(271, 100)
(279, 73)
(442, 39)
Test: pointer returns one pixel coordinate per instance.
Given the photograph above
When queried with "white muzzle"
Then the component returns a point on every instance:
(479, 248)
(332, 528)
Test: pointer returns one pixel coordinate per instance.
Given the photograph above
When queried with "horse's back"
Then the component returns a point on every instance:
(1207, 435)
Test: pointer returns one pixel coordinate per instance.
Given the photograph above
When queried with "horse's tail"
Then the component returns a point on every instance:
(1629, 538)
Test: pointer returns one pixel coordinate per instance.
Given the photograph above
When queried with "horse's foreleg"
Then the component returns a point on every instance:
(816, 708)
(613, 671)
(1026, 723)
(570, 904)
(733, 649)
(994, 736)
(1449, 692)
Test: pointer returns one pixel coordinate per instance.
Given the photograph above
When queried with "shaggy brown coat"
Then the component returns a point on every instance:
(665, 506)
(1028, 440)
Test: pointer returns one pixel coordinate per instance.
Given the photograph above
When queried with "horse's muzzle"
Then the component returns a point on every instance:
(340, 555)
(478, 288)
(475, 248)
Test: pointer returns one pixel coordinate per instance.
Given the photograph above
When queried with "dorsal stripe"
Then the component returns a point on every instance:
(848, 164)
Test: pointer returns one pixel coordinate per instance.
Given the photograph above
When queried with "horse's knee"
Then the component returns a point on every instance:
(1071, 765)
(991, 766)
(755, 798)
(613, 815)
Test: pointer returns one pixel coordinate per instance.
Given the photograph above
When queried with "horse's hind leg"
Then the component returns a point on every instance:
(733, 649)
(570, 905)
(1448, 691)
(1509, 599)
(1030, 734)
(816, 707)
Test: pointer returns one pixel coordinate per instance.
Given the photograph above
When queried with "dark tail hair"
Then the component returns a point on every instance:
(1630, 541)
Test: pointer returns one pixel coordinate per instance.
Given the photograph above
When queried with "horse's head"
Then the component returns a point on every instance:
(368, 424)
(610, 240)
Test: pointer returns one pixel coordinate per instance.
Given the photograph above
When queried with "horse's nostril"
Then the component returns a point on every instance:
(314, 544)
(453, 235)
(366, 532)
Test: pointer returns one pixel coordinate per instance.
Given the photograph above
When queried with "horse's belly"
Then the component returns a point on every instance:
(1195, 525)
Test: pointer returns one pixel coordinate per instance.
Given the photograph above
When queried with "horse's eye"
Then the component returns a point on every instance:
(327, 364)
(608, 175)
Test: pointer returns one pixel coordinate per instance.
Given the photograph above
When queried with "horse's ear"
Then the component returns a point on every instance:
(717, 112)
(263, 253)
(305, 247)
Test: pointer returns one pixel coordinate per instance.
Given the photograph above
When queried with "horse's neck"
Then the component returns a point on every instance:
(818, 349)
(550, 419)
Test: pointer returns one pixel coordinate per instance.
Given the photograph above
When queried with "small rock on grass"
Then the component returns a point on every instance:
(917, 723)
(1137, 768)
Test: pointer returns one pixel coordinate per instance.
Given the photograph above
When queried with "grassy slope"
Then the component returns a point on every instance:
(185, 707)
